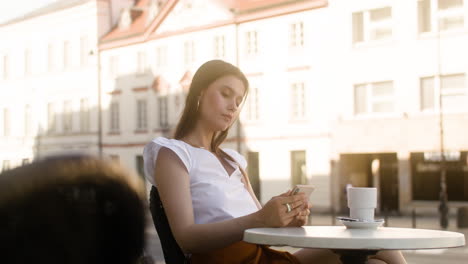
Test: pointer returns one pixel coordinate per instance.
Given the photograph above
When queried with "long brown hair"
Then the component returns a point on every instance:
(205, 75)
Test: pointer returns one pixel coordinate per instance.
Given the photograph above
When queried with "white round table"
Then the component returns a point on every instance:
(354, 245)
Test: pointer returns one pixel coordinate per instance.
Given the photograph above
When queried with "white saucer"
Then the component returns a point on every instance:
(362, 225)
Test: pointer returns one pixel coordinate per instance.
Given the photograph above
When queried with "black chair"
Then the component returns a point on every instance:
(173, 254)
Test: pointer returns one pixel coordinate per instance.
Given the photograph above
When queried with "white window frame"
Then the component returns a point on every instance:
(114, 117)
(369, 26)
(438, 90)
(113, 66)
(161, 56)
(6, 165)
(163, 111)
(50, 57)
(6, 67)
(252, 105)
(6, 122)
(371, 99)
(27, 62)
(141, 114)
(66, 55)
(251, 43)
(298, 95)
(84, 51)
(67, 117)
(27, 120)
(85, 115)
(436, 15)
(141, 62)
(189, 52)
(296, 35)
(51, 118)
(219, 43)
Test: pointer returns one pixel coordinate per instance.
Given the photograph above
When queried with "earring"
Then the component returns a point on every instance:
(198, 104)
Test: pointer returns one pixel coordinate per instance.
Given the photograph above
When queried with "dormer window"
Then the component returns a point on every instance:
(125, 20)
(129, 15)
(153, 10)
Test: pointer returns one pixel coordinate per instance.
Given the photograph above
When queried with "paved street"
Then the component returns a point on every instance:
(448, 256)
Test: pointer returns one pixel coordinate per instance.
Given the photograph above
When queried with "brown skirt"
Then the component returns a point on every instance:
(245, 253)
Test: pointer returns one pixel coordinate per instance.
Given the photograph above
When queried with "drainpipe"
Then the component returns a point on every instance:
(238, 127)
(99, 103)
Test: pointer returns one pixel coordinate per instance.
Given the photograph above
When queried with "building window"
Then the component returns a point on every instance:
(374, 24)
(6, 122)
(219, 47)
(141, 63)
(84, 51)
(252, 112)
(298, 167)
(6, 65)
(298, 103)
(66, 55)
(426, 172)
(142, 115)
(161, 56)
(189, 52)
(163, 111)
(140, 167)
(445, 15)
(27, 120)
(375, 97)
(114, 117)
(50, 57)
(427, 90)
(27, 62)
(113, 66)
(296, 35)
(6, 165)
(114, 158)
(51, 118)
(253, 170)
(451, 88)
(84, 115)
(251, 43)
(67, 120)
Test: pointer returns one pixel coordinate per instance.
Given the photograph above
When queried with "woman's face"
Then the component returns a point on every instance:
(219, 103)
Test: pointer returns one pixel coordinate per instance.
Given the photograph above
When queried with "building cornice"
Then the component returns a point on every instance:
(150, 33)
(45, 10)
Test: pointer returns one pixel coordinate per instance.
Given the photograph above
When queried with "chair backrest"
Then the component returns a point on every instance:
(172, 252)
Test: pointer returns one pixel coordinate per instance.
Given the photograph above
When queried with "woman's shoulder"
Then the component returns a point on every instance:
(153, 148)
(163, 141)
(236, 156)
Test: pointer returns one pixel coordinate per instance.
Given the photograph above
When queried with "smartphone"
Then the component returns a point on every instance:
(307, 189)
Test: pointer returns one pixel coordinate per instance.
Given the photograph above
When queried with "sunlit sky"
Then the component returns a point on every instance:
(12, 9)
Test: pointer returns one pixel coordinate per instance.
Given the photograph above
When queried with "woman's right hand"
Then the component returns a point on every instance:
(275, 212)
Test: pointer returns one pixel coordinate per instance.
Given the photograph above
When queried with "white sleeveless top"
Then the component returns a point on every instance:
(216, 196)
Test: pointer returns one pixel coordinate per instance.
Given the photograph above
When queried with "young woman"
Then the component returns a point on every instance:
(206, 194)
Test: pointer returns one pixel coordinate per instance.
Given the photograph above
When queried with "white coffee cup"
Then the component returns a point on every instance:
(362, 202)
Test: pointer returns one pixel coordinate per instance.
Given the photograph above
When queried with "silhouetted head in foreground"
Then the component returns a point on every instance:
(69, 210)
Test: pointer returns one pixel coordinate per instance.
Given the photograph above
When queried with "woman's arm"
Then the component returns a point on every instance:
(174, 188)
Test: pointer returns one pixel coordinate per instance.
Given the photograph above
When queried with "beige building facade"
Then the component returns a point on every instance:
(342, 92)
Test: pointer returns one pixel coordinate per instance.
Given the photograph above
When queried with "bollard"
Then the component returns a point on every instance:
(333, 214)
(413, 218)
(462, 217)
(386, 217)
